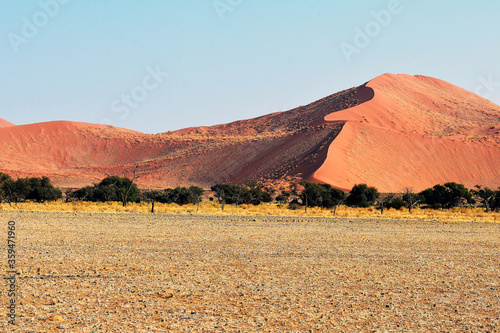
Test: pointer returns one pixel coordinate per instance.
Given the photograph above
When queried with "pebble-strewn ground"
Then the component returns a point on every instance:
(105, 272)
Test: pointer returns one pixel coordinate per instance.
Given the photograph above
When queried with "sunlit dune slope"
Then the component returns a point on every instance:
(5, 123)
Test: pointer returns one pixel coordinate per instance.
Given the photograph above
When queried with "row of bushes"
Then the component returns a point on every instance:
(447, 196)
(305, 194)
(114, 188)
(22, 189)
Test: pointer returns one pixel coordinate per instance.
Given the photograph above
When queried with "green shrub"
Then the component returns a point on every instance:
(362, 196)
(447, 196)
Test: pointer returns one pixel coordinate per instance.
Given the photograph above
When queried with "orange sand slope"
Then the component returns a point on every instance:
(416, 132)
(393, 132)
(5, 123)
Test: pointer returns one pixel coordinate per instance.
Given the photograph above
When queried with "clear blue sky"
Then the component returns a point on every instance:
(227, 60)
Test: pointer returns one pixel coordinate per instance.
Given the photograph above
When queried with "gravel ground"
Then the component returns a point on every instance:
(110, 272)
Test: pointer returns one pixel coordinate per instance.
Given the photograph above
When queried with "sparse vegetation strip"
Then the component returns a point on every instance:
(295, 196)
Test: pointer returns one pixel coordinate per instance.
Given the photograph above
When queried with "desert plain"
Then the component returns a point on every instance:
(133, 272)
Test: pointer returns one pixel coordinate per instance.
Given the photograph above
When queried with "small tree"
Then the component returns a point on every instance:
(195, 196)
(22, 189)
(86, 193)
(18, 190)
(486, 196)
(220, 193)
(459, 194)
(124, 186)
(260, 193)
(396, 203)
(294, 195)
(40, 190)
(239, 194)
(411, 198)
(384, 202)
(152, 197)
(312, 195)
(338, 198)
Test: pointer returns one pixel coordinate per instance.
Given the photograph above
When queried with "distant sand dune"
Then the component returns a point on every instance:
(393, 132)
(416, 131)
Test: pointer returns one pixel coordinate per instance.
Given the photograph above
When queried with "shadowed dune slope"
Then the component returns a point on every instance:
(395, 131)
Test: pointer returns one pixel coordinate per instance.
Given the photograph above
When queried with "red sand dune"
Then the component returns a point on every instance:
(395, 131)
(415, 132)
(5, 123)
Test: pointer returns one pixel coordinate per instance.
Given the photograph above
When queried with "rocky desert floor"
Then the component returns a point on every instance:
(128, 272)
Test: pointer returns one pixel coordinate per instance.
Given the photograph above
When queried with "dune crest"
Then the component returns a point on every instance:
(5, 123)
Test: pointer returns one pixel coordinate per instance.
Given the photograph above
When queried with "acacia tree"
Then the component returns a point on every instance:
(123, 185)
(21, 189)
(295, 196)
(384, 202)
(195, 196)
(338, 197)
(260, 193)
(411, 198)
(220, 193)
(486, 195)
(40, 190)
(152, 196)
(17, 190)
(312, 195)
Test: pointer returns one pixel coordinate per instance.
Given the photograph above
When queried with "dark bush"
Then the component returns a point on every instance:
(40, 190)
(232, 194)
(362, 196)
(495, 203)
(283, 197)
(321, 195)
(5, 183)
(111, 188)
(396, 203)
(181, 195)
(447, 196)
(22, 189)
(240, 194)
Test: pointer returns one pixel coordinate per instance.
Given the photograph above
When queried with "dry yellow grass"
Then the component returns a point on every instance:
(456, 214)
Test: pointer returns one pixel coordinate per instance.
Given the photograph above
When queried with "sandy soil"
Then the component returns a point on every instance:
(101, 272)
